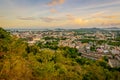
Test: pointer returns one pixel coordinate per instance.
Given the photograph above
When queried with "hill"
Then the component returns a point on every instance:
(19, 61)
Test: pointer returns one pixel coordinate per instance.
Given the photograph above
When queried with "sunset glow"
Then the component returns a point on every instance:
(59, 13)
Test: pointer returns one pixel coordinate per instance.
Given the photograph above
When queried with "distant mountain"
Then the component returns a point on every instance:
(112, 28)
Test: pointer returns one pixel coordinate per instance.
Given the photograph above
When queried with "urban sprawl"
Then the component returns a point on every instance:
(91, 43)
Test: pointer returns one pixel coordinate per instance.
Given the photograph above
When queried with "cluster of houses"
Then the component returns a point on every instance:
(72, 40)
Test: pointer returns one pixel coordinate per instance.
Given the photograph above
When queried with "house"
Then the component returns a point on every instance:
(114, 51)
(113, 63)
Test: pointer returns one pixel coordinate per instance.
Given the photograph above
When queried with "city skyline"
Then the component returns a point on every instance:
(59, 13)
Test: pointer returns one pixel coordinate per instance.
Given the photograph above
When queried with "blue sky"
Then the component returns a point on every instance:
(59, 13)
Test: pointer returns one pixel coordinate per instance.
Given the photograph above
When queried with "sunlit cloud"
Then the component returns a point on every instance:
(26, 18)
(97, 19)
(53, 10)
(55, 2)
(77, 20)
(105, 14)
(98, 14)
(81, 22)
(111, 16)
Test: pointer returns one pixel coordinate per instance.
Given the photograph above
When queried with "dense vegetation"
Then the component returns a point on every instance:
(19, 61)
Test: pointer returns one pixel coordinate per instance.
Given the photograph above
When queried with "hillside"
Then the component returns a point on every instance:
(19, 61)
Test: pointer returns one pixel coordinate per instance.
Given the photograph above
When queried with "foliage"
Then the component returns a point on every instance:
(86, 40)
(51, 38)
(4, 34)
(93, 48)
(100, 42)
(115, 43)
(19, 61)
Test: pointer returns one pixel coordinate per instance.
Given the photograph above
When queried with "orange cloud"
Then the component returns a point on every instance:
(61, 1)
(56, 2)
(66, 20)
(53, 10)
(111, 16)
(81, 22)
(105, 22)
(76, 20)
(99, 19)
(103, 14)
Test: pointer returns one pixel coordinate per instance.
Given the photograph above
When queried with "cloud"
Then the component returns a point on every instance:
(49, 19)
(111, 22)
(98, 14)
(76, 20)
(105, 15)
(97, 19)
(55, 2)
(61, 1)
(26, 18)
(53, 10)
(82, 22)
(111, 16)
(70, 17)
(105, 22)
(1, 16)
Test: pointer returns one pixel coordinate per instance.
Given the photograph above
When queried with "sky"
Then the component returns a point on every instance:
(59, 13)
